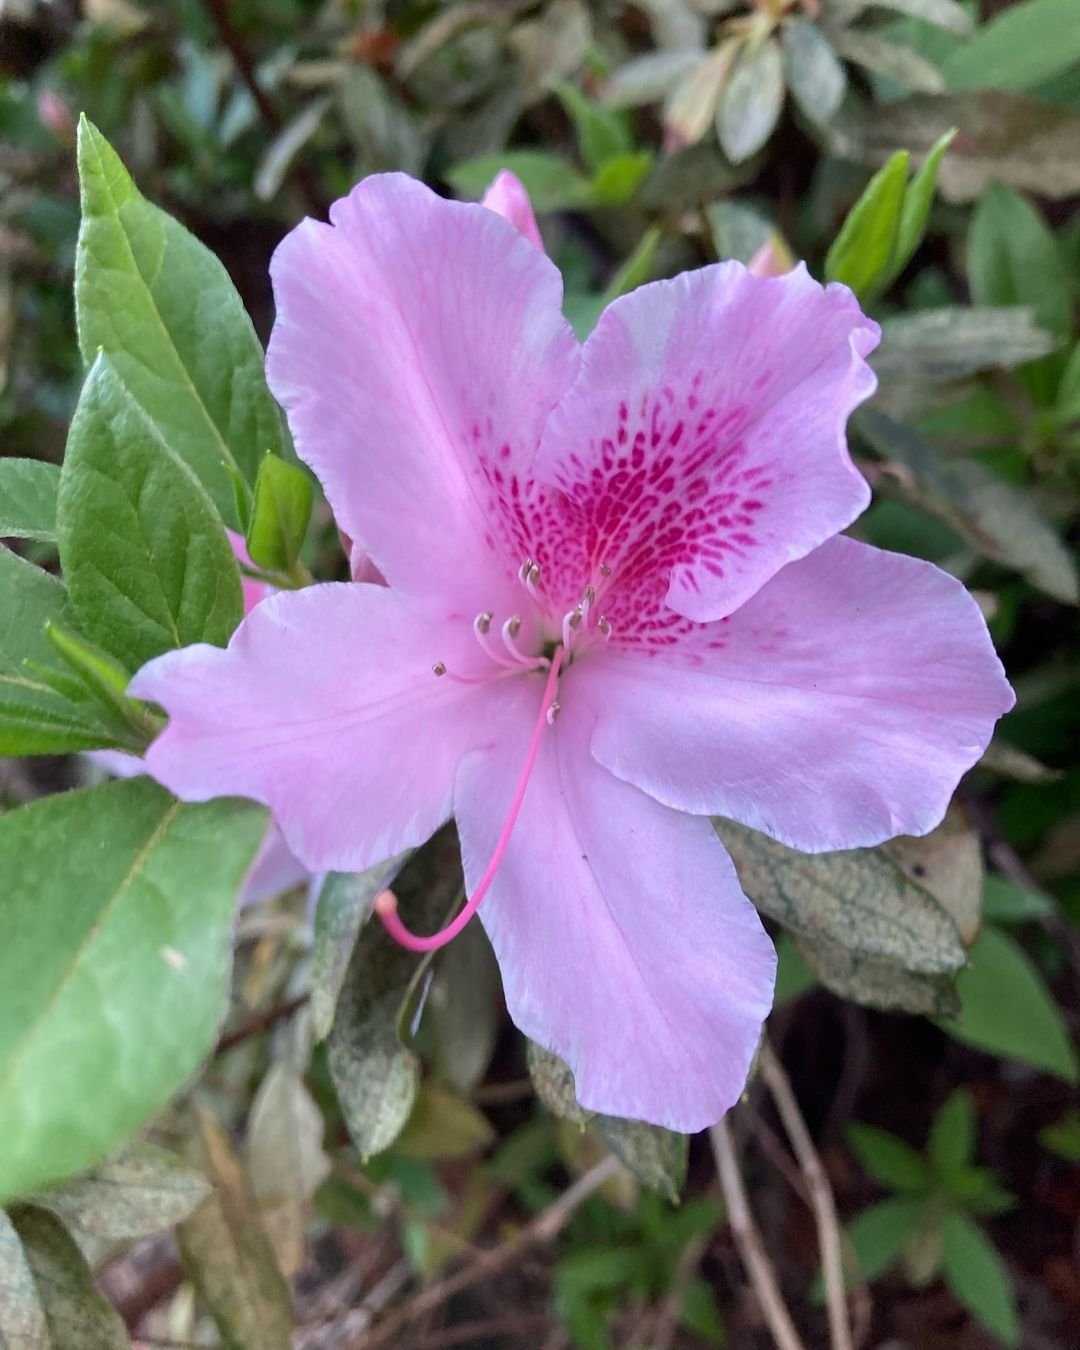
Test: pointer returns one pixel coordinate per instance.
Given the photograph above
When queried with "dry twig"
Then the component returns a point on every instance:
(821, 1196)
(748, 1240)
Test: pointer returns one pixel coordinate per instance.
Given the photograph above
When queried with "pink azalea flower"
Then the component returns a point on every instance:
(616, 603)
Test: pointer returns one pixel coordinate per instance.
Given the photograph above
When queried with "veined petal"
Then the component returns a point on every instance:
(324, 707)
(625, 943)
(418, 349)
(836, 709)
(702, 446)
(507, 197)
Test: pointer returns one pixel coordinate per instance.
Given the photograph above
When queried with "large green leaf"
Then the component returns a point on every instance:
(1008, 1010)
(116, 903)
(813, 70)
(860, 899)
(979, 1277)
(937, 345)
(1023, 47)
(76, 1315)
(159, 303)
(752, 101)
(1014, 260)
(28, 499)
(146, 558)
(44, 708)
(875, 983)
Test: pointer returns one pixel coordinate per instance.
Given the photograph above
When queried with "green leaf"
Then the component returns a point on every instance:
(1008, 761)
(637, 269)
(226, 1250)
(106, 682)
(28, 499)
(77, 1316)
(117, 902)
(915, 212)
(619, 178)
(1063, 1137)
(343, 907)
(162, 307)
(859, 898)
(938, 345)
(464, 1009)
(22, 1318)
(1008, 1011)
(948, 15)
(793, 976)
(738, 231)
(875, 983)
(813, 70)
(36, 718)
(879, 1233)
(952, 1135)
(1023, 47)
(888, 1159)
(1067, 408)
(147, 561)
(139, 1191)
(551, 182)
(752, 101)
(375, 1076)
(862, 253)
(979, 1278)
(657, 1157)
(443, 1125)
(1005, 902)
(997, 519)
(601, 133)
(1013, 259)
(279, 515)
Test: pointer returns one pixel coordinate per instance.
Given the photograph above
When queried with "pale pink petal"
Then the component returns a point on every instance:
(274, 870)
(418, 349)
(507, 197)
(837, 708)
(324, 707)
(702, 447)
(624, 941)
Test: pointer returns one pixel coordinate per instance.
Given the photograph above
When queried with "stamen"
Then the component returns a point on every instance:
(439, 668)
(386, 901)
(529, 574)
(605, 570)
(553, 712)
(482, 629)
(510, 629)
(604, 626)
(589, 598)
(482, 622)
(570, 624)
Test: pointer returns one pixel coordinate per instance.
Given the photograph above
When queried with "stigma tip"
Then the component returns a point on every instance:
(385, 903)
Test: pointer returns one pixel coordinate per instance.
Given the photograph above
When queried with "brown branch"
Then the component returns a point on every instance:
(260, 1022)
(541, 1231)
(748, 1240)
(821, 1196)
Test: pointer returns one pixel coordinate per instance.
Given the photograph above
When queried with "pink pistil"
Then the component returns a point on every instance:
(386, 901)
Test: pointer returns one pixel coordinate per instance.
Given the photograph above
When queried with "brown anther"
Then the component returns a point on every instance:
(605, 570)
(514, 626)
(575, 618)
(604, 626)
(589, 597)
(483, 621)
(439, 668)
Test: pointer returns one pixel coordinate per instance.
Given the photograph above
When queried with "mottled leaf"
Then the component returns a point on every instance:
(285, 1159)
(162, 307)
(949, 15)
(464, 1009)
(938, 345)
(649, 77)
(752, 101)
(1004, 136)
(374, 1074)
(343, 907)
(226, 1251)
(117, 905)
(813, 70)
(146, 559)
(22, 1318)
(859, 898)
(875, 983)
(901, 63)
(139, 1191)
(28, 490)
(77, 1316)
(948, 863)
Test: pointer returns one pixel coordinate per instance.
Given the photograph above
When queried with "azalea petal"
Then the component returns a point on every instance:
(624, 941)
(507, 197)
(838, 708)
(702, 447)
(324, 707)
(418, 349)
